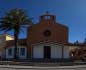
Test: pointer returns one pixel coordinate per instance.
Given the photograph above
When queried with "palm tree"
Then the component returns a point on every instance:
(15, 20)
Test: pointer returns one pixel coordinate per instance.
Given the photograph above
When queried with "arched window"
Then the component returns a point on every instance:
(47, 17)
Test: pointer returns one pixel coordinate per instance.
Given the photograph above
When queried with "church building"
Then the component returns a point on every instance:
(46, 39)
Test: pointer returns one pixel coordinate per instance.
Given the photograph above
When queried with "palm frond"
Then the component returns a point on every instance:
(14, 20)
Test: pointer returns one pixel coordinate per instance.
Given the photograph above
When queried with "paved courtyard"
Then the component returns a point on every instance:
(15, 67)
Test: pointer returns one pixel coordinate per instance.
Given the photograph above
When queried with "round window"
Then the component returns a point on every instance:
(47, 33)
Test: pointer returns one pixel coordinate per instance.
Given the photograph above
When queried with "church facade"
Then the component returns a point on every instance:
(45, 40)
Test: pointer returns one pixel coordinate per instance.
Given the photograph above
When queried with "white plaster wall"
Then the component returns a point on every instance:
(38, 51)
(56, 51)
(66, 52)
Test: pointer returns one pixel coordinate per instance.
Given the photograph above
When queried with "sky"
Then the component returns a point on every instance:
(71, 13)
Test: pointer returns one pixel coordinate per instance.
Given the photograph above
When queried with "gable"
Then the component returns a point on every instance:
(56, 32)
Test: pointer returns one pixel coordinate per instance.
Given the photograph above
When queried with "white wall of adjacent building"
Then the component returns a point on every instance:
(19, 53)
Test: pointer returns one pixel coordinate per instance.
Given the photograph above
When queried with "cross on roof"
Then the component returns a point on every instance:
(46, 12)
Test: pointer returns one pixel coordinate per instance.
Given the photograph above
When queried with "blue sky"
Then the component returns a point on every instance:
(68, 12)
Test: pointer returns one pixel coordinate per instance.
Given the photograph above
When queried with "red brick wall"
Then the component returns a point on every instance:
(59, 32)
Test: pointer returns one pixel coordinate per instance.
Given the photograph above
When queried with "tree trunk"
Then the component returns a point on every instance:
(16, 33)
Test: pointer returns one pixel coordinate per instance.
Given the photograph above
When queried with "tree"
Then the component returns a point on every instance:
(15, 19)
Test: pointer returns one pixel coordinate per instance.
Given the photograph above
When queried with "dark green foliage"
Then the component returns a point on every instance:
(15, 20)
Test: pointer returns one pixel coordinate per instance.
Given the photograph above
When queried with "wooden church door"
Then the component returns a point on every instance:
(47, 52)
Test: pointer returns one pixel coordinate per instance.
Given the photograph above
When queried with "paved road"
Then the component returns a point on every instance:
(10, 67)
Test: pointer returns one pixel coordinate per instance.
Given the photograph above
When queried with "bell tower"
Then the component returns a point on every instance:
(48, 18)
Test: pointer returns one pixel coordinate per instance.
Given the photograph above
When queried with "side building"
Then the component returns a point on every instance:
(3, 41)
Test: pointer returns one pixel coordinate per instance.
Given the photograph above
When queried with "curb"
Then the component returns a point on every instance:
(34, 67)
